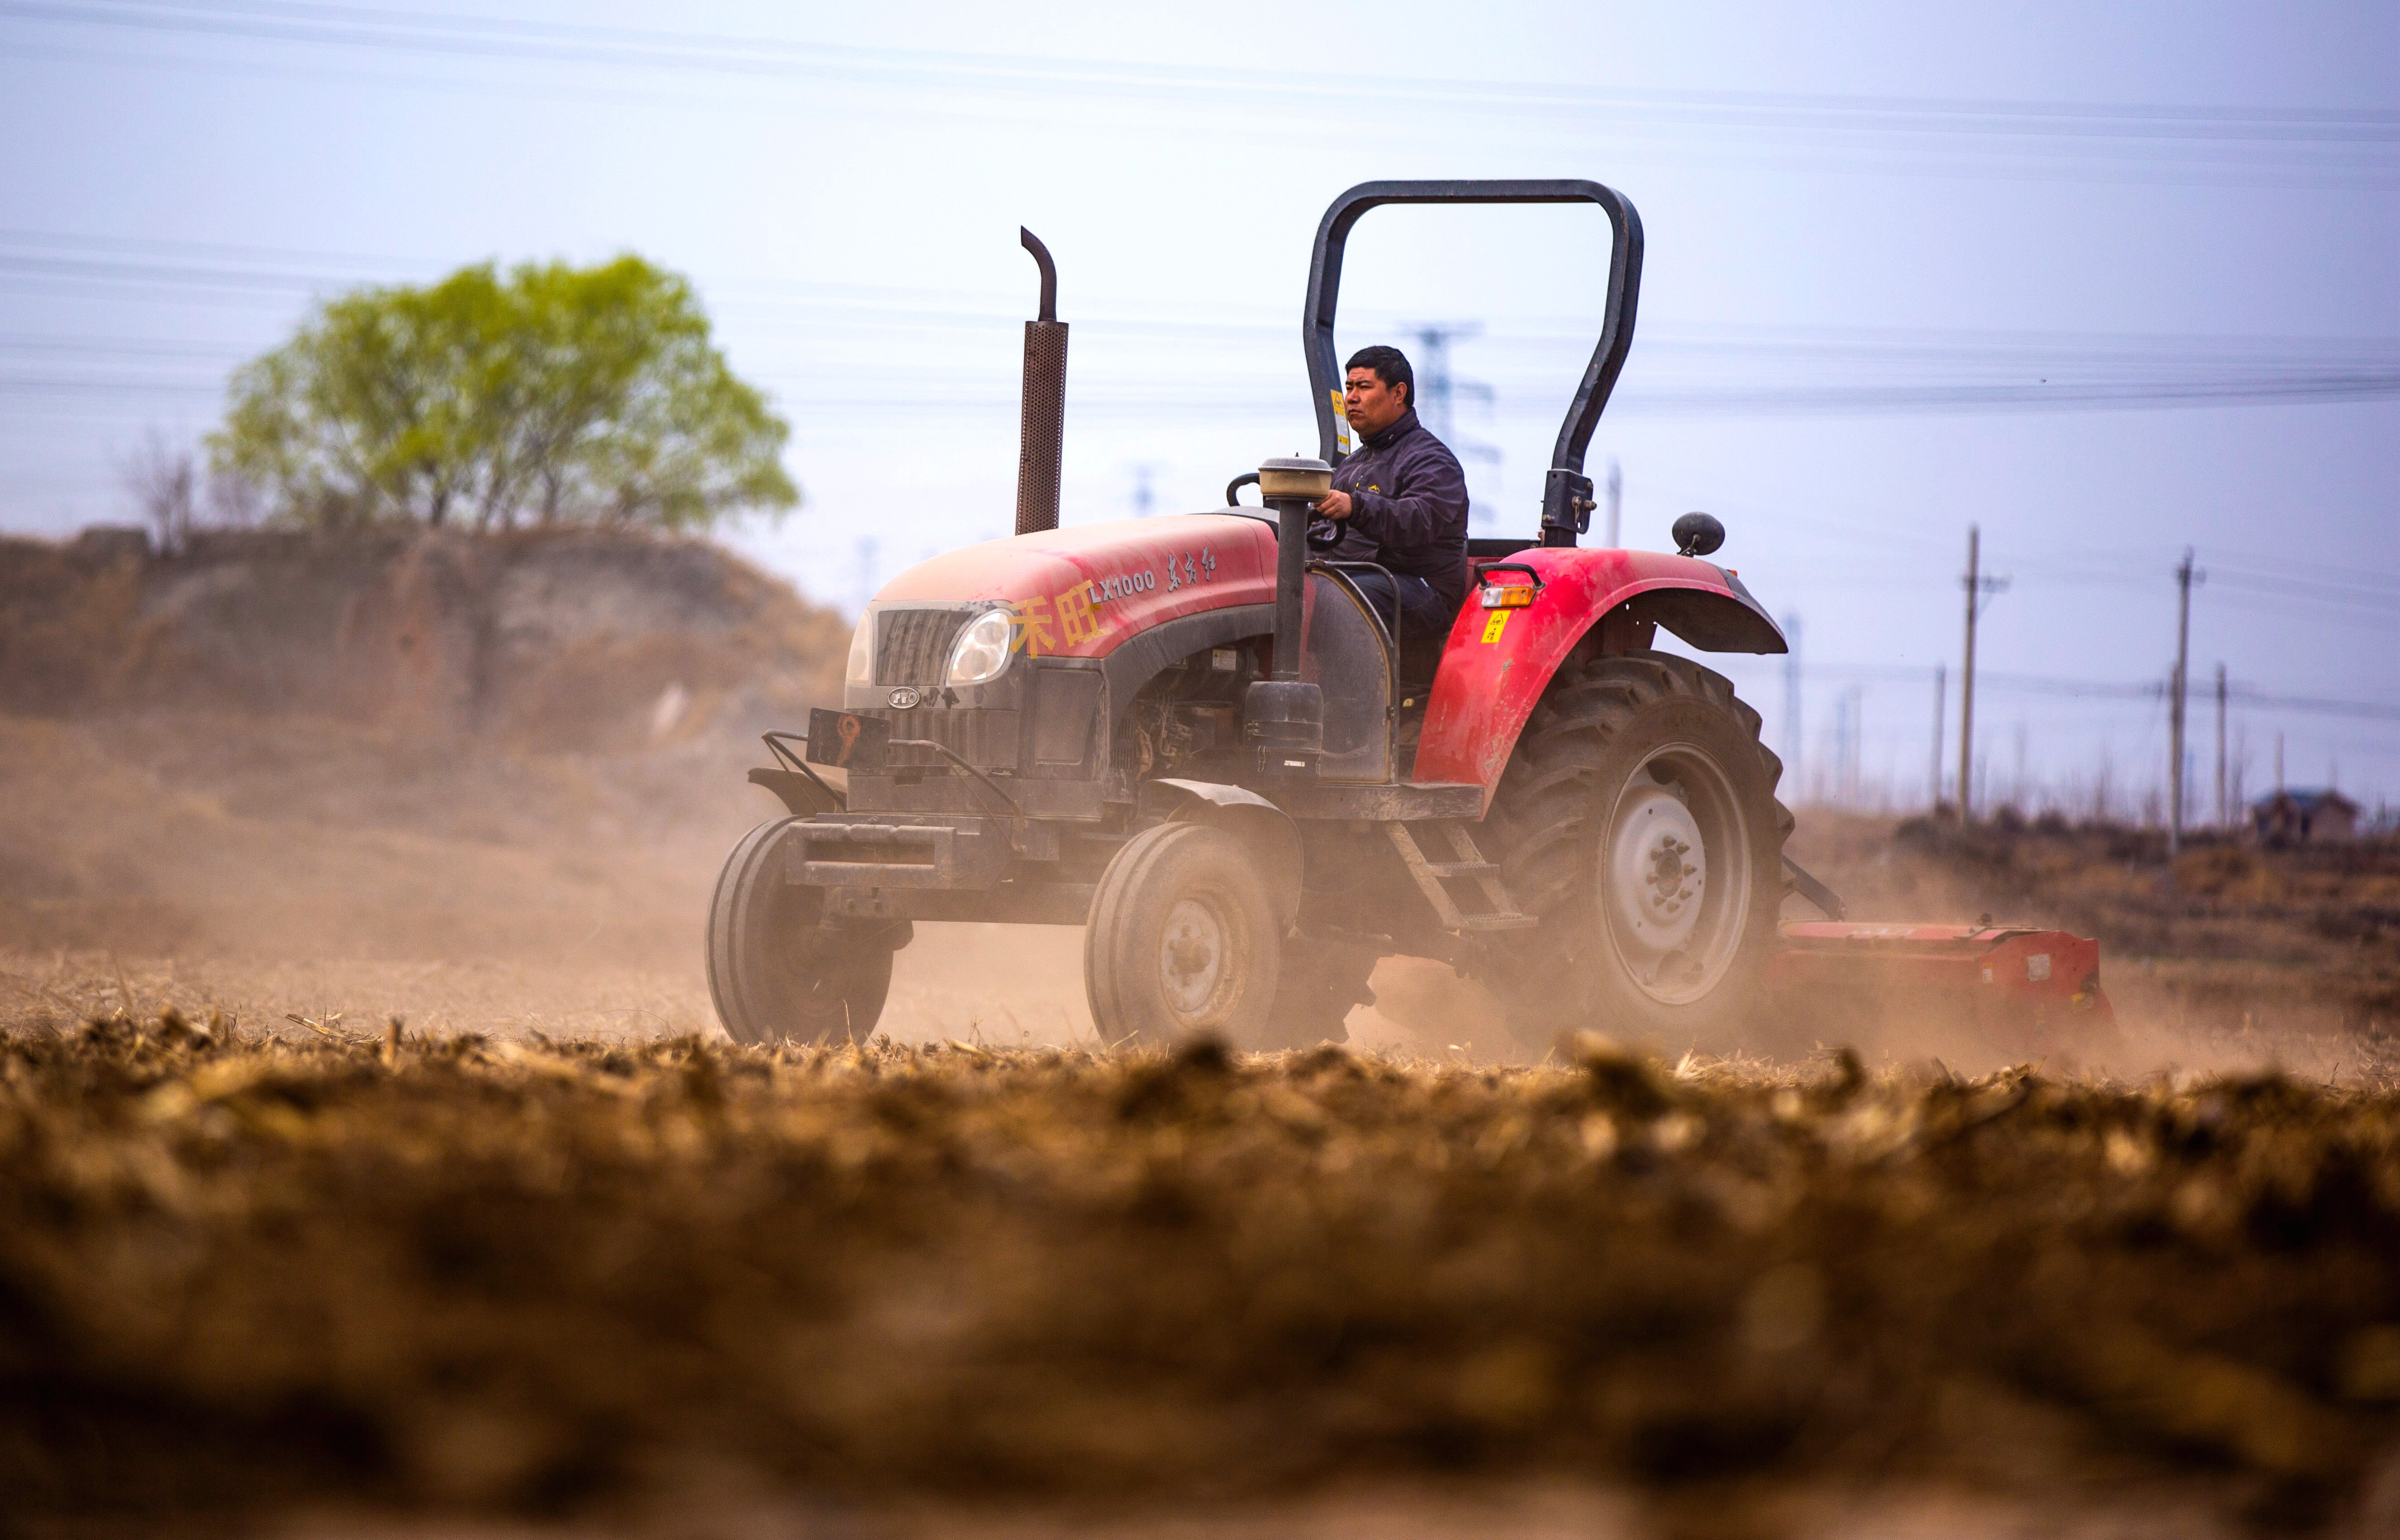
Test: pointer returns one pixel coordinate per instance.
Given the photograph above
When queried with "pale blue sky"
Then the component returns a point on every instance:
(1907, 269)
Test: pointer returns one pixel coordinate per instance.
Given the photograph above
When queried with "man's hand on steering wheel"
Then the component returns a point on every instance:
(1325, 530)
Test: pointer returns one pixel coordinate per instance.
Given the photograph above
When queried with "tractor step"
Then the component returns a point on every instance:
(1433, 878)
(1476, 923)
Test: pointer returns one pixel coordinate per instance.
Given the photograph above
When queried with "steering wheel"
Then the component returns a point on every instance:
(1324, 534)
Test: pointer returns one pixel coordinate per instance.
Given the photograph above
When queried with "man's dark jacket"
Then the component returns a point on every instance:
(1409, 508)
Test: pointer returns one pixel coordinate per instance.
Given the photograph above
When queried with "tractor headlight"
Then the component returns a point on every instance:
(981, 651)
(862, 652)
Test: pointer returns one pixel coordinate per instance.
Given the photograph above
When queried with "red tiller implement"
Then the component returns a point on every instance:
(2023, 985)
(1211, 739)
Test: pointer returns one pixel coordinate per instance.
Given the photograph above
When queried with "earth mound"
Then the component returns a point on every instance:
(562, 641)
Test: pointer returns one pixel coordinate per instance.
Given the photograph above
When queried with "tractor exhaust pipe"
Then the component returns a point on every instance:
(1283, 718)
(1042, 442)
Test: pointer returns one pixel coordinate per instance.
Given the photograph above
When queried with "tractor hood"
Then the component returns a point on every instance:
(1079, 592)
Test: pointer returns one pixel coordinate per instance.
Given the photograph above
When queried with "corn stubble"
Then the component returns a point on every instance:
(532, 1274)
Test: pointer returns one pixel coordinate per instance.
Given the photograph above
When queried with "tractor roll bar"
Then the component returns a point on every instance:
(1566, 492)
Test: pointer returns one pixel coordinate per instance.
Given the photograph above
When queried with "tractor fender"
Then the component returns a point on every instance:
(1258, 823)
(1497, 663)
(806, 795)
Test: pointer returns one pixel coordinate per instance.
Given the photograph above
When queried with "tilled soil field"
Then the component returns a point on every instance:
(242, 1277)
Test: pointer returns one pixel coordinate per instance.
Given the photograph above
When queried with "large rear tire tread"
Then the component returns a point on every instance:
(1547, 819)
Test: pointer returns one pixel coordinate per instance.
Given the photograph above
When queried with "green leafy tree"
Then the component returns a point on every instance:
(549, 394)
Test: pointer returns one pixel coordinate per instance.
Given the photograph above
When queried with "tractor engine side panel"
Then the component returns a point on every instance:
(1094, 611)
(1498, 661)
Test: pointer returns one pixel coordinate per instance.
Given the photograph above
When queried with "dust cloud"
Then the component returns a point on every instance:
(277, 867)
(344, 874)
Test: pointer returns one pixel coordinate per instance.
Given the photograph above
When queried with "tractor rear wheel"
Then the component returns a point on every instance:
(1637, 819)
(773, 971)
(1183, 939)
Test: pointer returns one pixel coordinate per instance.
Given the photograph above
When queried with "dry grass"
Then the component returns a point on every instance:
(420, 1270)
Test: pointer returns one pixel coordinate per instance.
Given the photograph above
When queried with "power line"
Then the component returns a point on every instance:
(2342, 572)
(130, 260)
(1094, 399)
(181, 247)
(2339, 594)
(281, 20)
(1879, 400)
(2113, 690)
(84, 346)
(2075, 138)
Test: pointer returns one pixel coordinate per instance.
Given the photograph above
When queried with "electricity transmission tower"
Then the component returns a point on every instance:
(1143, 496)
(1438, 390)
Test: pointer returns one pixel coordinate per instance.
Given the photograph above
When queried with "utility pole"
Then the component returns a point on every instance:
(1615, 502)
(1858, 745)
(1792, 699)
(2222, 821)
(2176, 705)
(1941, 698)
(2279, 759)
(1978, 586)
(1841, 786)
(1967, 676)
(1848, 732)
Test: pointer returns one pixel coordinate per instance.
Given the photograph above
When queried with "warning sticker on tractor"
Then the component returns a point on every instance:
(1340, 426)
(1496, 623)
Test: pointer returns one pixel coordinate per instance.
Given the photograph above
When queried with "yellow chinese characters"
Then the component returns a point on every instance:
(1079, 619)
(1073, 615)
(1028, 622)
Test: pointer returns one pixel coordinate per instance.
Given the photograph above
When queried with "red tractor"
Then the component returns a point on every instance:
(1194, 736)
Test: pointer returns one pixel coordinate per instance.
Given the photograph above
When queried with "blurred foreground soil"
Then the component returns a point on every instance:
(615, 1282)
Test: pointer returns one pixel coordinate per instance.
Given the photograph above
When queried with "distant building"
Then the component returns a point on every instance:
(2304, 817)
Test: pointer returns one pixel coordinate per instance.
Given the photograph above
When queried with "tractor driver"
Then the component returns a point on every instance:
(1403, 500)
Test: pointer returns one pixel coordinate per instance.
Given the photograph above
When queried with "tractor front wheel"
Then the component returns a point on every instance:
(774, 972)
(1637, 820)
(1183, 940)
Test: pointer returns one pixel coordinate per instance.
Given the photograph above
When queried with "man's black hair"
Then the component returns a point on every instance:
(1390, 365)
